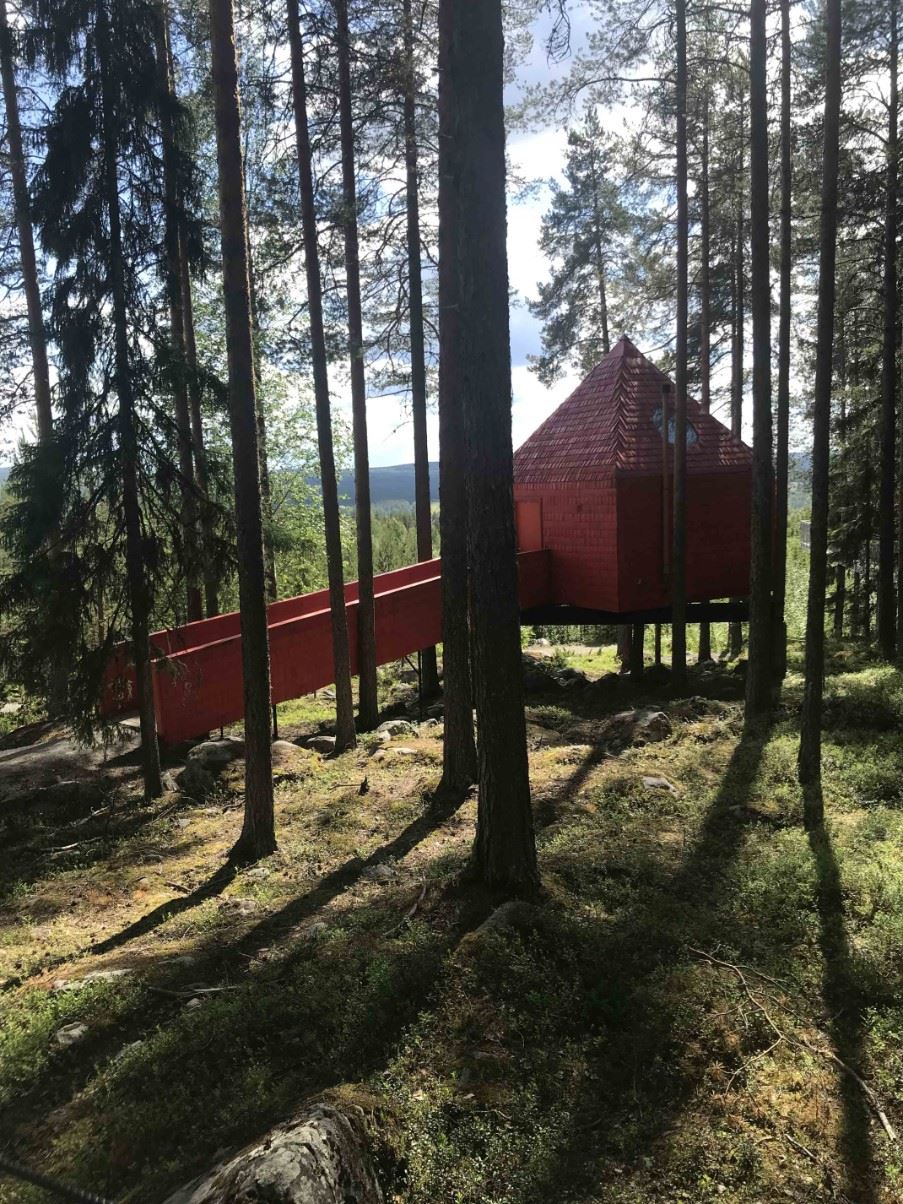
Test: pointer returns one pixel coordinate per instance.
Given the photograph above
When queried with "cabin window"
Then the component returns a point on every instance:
(692, 433)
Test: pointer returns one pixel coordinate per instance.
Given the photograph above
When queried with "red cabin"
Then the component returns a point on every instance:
(594, 486)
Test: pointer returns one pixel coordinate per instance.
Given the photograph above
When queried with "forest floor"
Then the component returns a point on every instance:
(706, 1003)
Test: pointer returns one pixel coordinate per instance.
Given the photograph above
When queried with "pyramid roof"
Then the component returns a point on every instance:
(612, 423)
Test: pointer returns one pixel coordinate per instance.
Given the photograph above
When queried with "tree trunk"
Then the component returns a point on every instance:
(679, 530)
(705, 316)
(22, 204)
(266, 493)
(782, 458)
(368, 705)
(840, 591)
(345, 733)
(760, 672)
(422, 501)
(600, 256)
(258, 835)
(637, 648)
(810, 726)
(887, 602)
(211, 587)
(624, 645)
(189, 518)
(139, 594)
(504, 854)
(735, 630)
(459, 754)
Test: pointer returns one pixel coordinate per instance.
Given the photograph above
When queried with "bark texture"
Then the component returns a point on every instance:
(422, 501)
(760, 673)
(368, 706)
(810, 727)
(679, 526)
(782, 454)
(345, 731)
(705, 313)
(459, 753)
(504, 855)
(258, 833)
(887, 601)
(319, 1158)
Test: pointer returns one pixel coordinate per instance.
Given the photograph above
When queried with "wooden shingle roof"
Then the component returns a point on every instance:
(608, 425)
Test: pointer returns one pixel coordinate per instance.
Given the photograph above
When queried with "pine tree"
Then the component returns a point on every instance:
(368, 705)
(760, 673)
(581, 233)
(422, 498)
(887, 602)
(679, 526)
(459, 755)
(345, 731)
(258, 836)
(504, 855)
(779, 634)
(22, 203)
(810, 727)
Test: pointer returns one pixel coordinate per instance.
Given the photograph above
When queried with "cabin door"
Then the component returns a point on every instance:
(528, 516)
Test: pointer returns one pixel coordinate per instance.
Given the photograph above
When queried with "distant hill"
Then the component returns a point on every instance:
(391, 485)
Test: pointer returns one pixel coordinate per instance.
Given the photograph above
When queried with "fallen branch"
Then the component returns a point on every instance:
(867, 1091)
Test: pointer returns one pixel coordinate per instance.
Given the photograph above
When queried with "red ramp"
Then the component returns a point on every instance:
(197, 672)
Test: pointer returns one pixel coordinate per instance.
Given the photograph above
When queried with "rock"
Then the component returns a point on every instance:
(321, 744)
(397, 727)
(652, 783)
(429, 726)
(75, 792)
(652, 726)
(108, 975)
(10, 708)
(169, 784)
(543, 737)
(70, 1034)
(285, 753)
(257, 873)
(436, 711)
(606, 684)
(382, 872)
(657, 675)
(390, 754)
(572, 678)
(195, 780)
(195, 1002)
(214, 754)
(317, 930)
(320, 1157)
(542, 642)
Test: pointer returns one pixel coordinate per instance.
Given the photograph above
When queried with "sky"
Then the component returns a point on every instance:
(534, 155)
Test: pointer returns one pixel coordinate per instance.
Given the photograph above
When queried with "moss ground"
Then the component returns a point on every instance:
(690, 1015)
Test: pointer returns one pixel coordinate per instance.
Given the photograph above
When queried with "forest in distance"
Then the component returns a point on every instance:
(451, 601)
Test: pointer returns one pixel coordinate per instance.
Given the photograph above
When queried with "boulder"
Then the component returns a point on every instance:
(321, 744)
(70, 1034)
(214, 754)
(606, 684)
(318, 1158)
(196, 780)
(397, 727)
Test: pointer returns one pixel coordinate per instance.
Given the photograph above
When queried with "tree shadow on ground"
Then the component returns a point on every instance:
(637, 1083)
(843, 997)
(301, 908)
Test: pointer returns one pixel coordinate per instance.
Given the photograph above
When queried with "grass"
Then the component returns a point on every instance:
(667, 1027)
